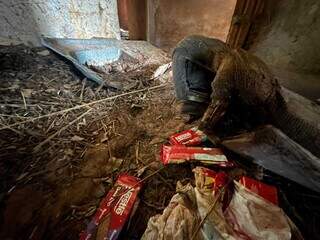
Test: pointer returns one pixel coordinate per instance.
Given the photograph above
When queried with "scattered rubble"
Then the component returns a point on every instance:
(68, 138)
(66, 141)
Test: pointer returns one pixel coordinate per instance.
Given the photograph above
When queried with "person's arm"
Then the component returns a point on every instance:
(221, 93)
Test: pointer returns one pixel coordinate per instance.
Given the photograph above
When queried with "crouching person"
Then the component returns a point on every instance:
(208, 75)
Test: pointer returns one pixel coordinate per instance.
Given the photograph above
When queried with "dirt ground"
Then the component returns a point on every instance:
(56, 169)
(50, 192)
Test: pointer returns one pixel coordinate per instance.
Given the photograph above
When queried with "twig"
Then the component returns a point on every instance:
(150, 175)
(83, 105)
(164, 180)
(17, 105)
(84, 81)
(109, 150)
(50, 80)
(141, 181)
(221, 190)
(14, 130)
(137, 152)
(29, 78)
(24, 100)
(100, 87)
(11, 116)
(38, 147)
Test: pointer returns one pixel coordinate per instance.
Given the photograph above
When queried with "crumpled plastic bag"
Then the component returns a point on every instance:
(253, 217)
(183, 214)
(248, 216)
(179, 220)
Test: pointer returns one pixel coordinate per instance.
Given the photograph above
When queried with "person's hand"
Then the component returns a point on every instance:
(214, 112)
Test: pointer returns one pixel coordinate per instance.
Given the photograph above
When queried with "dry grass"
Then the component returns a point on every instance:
(52, 121)
(46, 108)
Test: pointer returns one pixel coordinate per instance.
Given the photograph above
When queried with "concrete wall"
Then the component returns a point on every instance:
(27, 19)
(170, 21)
(291, 38)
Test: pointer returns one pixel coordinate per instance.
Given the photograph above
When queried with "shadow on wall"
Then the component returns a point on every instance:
(26, 20)
(287, 38)
(290, 39)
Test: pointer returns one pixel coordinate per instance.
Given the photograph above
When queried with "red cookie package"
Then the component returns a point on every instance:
(191, 137)
(180, 154)
(268, 192)
(114, 210)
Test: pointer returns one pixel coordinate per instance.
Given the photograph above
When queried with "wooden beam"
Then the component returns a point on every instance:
(273, 150)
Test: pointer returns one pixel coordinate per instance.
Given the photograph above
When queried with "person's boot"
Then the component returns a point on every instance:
(192, 111)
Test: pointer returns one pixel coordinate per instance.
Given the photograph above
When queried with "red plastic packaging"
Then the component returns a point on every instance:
(117, 205)
(191, 137)
(180, 153)
(217, 180)
(214, 181)
(268, 192)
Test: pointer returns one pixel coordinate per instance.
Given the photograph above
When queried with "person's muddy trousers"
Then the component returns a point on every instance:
(192, 74)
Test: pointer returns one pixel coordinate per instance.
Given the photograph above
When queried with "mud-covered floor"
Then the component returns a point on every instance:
(55, 170)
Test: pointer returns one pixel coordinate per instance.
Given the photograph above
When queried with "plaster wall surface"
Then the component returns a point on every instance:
(291, 38)
(170, 21)
(26, 20)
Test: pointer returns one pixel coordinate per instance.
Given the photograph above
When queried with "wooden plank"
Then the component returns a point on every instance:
(299, 119)
(273, 150)
(245, 14)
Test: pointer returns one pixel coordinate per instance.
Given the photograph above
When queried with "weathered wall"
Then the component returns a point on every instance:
(290, 39)
(170, 21)
(27, 19)
(133, 17)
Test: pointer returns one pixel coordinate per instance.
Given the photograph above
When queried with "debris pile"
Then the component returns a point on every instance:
(219, 206)
(86, 160)
(48, 111)
(62, 138)
(205, 212)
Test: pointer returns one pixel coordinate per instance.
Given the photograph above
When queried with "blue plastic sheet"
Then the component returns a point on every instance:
(84, 52)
